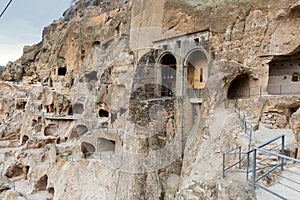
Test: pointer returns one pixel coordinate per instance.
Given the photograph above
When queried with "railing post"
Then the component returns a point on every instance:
(280, 89)
(247, 167)
(245, 124)
(254, 171)
(260, 91)
(249, 92)
(282, 152)
(223, 166)
(240, 156)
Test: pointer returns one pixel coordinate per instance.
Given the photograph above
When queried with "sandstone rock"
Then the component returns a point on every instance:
(12, 72)
(295, 125)
(93, 124)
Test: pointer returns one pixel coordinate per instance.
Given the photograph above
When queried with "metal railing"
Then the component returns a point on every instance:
(242, 165)
(145, 95)
(244, 157)
(272, 89)
(195, 93)
(271, 167)
(87, 156)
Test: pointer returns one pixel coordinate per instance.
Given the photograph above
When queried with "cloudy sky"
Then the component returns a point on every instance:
(23, 23)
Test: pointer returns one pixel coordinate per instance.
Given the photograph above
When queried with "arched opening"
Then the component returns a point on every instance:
(70, 111)
(168, 74)
(81, 130)
(25, 138)
(197, 69)
(104, 145)
(78, 108)
(62, 71)
(41, 185)
(87, 149)
(239, 87)
(51, 130)
(103, 113)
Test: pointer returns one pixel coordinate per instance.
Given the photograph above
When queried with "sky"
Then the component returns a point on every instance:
(23, 23)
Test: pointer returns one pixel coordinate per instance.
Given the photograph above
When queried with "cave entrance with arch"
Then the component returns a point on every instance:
(167, 64)
(239, 87)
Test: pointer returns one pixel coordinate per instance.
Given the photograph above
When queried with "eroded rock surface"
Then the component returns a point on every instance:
(106, 106)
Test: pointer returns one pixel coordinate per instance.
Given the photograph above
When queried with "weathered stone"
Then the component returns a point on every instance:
(97, 122)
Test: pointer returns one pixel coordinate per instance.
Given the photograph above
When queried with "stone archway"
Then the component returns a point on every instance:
(239, 87)
(197, 69)
(167, 64)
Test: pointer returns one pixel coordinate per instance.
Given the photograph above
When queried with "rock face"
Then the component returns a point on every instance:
(125, 99)
(295, 125)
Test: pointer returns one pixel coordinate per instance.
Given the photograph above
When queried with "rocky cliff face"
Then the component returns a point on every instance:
(82, 115)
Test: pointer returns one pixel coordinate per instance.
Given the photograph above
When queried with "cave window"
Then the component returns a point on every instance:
(51, 130)
(62, 71)
(81, 130)
(21, 104)
(87, 149)
(42, 183)
(295, 77)
(105, 145)
(25, 138)
(70, 112)
(78, 108)
(103, 113)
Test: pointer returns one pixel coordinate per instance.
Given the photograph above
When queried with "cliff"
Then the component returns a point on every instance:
(125, 99)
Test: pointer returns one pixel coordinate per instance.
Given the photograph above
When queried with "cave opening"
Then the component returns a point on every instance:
(62, 71)
(25, 138)
(87, 149)
(239, 87)
(81, 130)
(42, 183)
(105, 145)
(78, 108)
(103, 113)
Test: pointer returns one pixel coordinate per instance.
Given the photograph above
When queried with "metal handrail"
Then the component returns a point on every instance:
(246, 124)
(272, 168)
(248, 91)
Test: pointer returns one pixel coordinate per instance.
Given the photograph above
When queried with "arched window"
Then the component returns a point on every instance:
(197, 71)
(168, 67)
